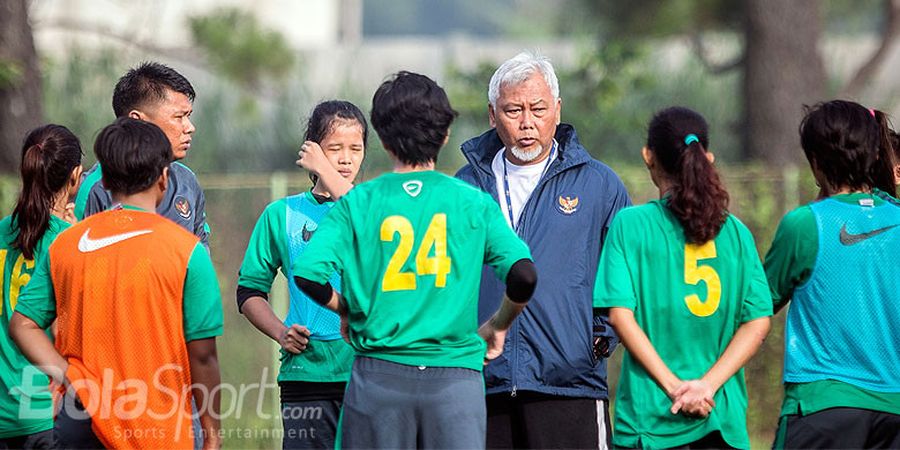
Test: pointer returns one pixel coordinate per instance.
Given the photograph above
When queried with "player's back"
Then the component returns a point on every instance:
(118, 277)
(15, 391)
(412, 275)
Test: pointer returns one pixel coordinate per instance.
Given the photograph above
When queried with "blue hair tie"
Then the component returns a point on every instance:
(690, 139)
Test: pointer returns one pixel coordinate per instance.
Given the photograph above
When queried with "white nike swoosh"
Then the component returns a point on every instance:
(86, 244)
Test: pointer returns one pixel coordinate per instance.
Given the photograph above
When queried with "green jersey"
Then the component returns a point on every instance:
(26, 405)
(789, 265)
(326, 358)
(410, 249)
(689, 300)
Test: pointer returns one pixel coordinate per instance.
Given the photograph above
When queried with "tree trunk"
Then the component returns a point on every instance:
(20, 83)
(783, 72)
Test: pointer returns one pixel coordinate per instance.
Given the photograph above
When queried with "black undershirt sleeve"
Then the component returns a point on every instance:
(320, 293)
(244, 293)
(521, 281)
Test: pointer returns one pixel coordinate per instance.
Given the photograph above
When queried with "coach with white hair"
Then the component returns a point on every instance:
(548, 389)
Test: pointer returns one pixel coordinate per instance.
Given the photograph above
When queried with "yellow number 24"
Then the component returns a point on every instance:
(694, 274)
(435, 237)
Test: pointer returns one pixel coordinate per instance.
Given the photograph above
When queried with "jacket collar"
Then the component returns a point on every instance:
(481, 150)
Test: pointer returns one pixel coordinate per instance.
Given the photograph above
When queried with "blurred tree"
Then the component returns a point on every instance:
(779, 60)
(241, 49)
(20, 82)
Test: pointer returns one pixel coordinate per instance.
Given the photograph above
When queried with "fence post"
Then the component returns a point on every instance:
(791, 176)
(278, 297)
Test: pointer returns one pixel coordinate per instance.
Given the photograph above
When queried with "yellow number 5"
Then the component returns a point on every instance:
(435, 237)
(694, 274)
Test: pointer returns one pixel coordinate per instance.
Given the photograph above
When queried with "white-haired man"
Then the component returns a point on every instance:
(548, 390)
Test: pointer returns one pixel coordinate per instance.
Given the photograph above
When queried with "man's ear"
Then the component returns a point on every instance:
(559, 110)
(491, 118)
(163, 182)
(135, 114)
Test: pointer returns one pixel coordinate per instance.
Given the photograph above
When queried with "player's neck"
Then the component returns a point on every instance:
(144, 200)
(399, 167)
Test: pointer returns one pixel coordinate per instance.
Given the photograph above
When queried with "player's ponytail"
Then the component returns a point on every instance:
(49, 155)
(678, 138)
(883, 171)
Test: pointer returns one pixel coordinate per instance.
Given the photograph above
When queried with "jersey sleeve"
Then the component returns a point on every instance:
(202, 305)
(757, 298)
(38, 300)
(262, 258)
(333, 238)
(201, 227)
(790, 260)
(613, 286)
(502, 246)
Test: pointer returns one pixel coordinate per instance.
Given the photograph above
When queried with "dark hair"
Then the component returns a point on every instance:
(49, 155)
(883, 171)
(324, 117)
(841, 140)
(146, 84)
(678, 138)
(132, 154)
(412, 116)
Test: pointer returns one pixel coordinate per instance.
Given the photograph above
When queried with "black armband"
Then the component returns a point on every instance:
(320, 293)
(244, 293)
(521, 281)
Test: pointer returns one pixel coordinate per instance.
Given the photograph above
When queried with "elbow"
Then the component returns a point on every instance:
(521, 281)
(320, 293)
(18, 326)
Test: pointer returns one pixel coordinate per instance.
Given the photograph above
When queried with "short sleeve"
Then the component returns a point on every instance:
(613, 286)
(502, 246)
(333, 237)
(792, 256)
(757, 298)
(202, 300)
(262, 258)
(38, 300)
(201, 227)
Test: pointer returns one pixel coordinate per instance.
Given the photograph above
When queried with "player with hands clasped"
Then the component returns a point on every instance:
(687, 297)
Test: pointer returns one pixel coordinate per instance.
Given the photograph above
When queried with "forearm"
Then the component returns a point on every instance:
(508, 312)
(37, 347)
(635, 340)
(205, 379)
(333, 182)
(743, 346)
(260, 314)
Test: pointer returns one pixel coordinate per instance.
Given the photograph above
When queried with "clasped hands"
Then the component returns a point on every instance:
(693, 398)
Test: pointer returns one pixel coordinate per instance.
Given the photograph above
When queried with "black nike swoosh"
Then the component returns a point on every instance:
(850, 239)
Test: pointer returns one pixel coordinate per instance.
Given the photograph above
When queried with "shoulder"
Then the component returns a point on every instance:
(466, 173)
(800, 219)
(641, 214)
(184, 174)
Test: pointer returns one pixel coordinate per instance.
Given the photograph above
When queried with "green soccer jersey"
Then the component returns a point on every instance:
(268, 251)
(26, 406)
(410, 248)
(789, 265)
(689, 300)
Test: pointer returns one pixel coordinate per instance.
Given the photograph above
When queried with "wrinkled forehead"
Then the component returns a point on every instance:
(172, 102)
(529, 87)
